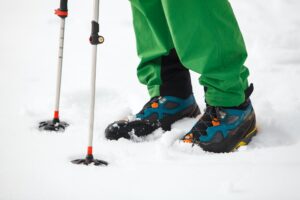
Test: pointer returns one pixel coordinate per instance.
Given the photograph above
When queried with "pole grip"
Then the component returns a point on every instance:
(63, 5)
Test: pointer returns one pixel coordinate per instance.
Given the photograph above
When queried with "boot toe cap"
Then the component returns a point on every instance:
(117, 130)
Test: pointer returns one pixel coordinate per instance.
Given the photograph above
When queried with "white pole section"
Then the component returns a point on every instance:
(96, 11)
(59, 66)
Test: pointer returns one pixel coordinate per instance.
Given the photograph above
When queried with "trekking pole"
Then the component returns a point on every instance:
(56, 124)
(95, 39)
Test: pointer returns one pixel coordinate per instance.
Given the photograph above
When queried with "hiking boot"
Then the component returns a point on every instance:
(224, 129)
(159, 112)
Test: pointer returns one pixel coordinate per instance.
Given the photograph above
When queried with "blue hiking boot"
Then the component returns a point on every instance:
(222, 129)
(159, 112)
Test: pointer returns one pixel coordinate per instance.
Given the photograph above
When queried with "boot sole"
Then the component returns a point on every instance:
(246, 140)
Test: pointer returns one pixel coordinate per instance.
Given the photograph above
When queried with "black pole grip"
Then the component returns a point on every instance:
(63, 5)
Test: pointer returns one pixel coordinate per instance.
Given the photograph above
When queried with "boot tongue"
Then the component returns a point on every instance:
(152, 100)
(207, 118)
(148, 105)
(210, 112)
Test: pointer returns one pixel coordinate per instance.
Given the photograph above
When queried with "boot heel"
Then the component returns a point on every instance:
(246, 140)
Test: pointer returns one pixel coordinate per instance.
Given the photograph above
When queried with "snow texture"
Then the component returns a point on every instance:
(36, 165)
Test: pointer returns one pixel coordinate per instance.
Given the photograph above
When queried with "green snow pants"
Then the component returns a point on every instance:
(175, 36)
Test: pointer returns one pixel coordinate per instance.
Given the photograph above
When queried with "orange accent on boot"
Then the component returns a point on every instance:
(90, 150)
(154, 105)
(188, 138)
(215, 122)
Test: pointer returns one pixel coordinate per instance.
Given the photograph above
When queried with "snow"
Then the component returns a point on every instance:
(36, 165)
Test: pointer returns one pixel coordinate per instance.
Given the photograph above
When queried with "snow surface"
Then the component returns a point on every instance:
(36, 165)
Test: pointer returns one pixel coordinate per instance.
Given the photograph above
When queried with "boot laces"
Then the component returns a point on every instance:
(152, 103)
(211, 117)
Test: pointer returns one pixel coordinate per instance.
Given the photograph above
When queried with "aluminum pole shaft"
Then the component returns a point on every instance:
(60, 62)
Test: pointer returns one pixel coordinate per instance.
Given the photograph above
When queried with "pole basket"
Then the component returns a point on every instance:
(53, 125)
(89, 159)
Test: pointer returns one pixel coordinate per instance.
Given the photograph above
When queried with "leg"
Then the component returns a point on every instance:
(208, 41)
(168, 81)
(160, 68)
(207, 38)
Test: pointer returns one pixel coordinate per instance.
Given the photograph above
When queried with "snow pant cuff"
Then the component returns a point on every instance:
(154, 91)
(224, 99)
